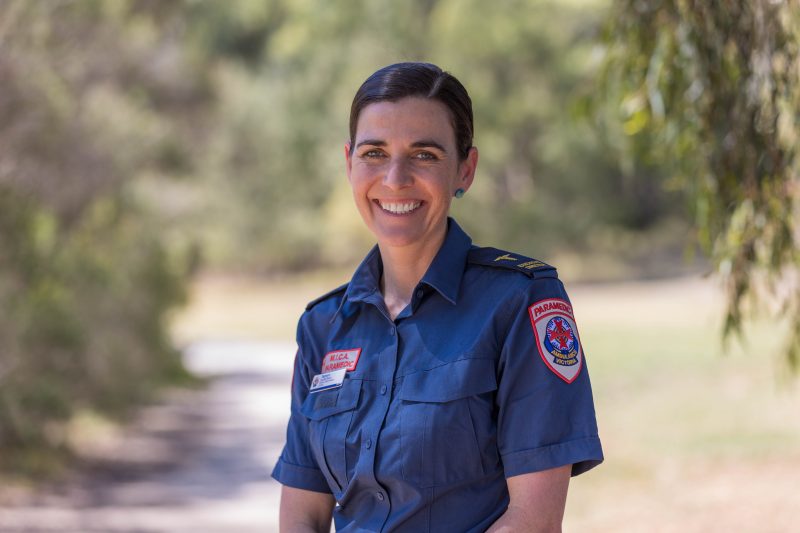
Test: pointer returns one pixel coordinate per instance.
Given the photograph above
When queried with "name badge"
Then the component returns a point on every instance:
(328, 380)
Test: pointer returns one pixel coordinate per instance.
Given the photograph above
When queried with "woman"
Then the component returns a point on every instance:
(443, 388)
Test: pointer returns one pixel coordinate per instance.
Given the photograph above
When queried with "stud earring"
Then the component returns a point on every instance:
(459, 193)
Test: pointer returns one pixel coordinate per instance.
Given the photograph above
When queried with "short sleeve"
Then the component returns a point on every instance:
(296, 466)
(546, 415)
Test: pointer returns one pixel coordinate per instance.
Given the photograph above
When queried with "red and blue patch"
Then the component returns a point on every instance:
(557, 337)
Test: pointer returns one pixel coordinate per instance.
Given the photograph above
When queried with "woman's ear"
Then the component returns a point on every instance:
(466, 169)
(348, 157)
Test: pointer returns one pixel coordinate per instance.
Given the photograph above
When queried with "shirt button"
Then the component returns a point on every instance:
(419, 293)
(392, 331)
(369, 443)
(383, 389)
(379, 495)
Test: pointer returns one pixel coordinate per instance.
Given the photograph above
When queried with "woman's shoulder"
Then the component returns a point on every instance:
(510, 280)
(332, 298)
(509, 262)
(320, 311)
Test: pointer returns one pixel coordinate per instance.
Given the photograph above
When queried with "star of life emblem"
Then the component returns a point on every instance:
(557, 337)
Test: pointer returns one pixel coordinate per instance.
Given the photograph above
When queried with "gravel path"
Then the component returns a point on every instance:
(198, 461)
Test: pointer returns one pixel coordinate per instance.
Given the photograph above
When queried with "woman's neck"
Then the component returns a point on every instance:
(403, 268)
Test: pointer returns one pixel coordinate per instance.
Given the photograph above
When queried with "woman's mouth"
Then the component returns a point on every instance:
(399, 208)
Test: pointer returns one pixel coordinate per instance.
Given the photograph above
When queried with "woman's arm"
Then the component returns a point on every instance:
(305, 511)
(537, 502)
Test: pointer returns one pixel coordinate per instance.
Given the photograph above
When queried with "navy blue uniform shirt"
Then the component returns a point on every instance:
(482, 377)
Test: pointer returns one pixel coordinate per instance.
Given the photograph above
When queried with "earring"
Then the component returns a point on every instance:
(459, 193)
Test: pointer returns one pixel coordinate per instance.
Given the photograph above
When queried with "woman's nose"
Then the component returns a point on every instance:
(397, 175)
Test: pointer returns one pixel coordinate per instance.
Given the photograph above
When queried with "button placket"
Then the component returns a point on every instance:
(387, 366)
(385, 377)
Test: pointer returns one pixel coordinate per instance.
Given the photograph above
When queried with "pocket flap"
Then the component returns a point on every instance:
(323, 404)
(459, 379)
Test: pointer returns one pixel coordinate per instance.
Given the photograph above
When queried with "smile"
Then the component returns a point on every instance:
(399, 208)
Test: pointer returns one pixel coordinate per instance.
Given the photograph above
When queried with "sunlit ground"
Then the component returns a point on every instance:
(695, 439)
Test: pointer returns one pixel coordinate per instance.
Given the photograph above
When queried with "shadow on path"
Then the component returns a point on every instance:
(197, 461)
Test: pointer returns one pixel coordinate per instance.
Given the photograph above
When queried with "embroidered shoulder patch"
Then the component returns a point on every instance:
(557, 337)
(347, 359)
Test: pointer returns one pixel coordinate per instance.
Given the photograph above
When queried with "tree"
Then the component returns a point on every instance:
(284, 74)
(711, 90)
(87, 277)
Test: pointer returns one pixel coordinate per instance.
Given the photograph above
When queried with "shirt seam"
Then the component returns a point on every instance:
(449, 363)
(548, 446)
(302, 341)
(289, 463)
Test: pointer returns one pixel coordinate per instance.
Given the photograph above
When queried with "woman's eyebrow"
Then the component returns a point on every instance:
(371, 142)
(428, 143)
(425, 143)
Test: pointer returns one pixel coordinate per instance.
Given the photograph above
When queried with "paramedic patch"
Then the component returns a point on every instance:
(347, 359)
(557, 337)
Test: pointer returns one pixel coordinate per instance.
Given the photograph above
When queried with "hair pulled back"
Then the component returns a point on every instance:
(425, 80)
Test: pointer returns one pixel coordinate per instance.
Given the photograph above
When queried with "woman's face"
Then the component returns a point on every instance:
(404, 170)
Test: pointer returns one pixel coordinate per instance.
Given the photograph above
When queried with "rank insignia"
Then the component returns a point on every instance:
(347, 359)
(557, 337)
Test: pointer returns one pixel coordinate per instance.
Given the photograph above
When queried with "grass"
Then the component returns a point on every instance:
(695, 439)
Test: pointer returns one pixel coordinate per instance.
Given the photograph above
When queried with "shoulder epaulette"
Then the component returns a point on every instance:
(492, 257)
(325, 296)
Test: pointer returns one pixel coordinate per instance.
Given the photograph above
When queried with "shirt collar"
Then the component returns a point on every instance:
(444, 273)
(367, 277)
(448, 266)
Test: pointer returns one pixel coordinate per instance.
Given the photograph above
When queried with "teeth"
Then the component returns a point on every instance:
(400, 208)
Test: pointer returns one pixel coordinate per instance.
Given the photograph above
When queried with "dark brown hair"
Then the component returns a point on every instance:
(424, 80)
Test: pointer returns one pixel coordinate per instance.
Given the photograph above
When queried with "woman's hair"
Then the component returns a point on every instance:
(423, 80)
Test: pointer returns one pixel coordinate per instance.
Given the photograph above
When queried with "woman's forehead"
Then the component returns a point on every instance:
(408, 119)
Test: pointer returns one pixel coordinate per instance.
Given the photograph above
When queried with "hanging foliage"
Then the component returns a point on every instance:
(711, 90)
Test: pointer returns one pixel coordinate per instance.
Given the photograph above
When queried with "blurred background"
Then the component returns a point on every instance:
(172, 193)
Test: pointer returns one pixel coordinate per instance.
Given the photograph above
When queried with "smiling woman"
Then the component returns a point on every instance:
(404, 170)
(444, 388)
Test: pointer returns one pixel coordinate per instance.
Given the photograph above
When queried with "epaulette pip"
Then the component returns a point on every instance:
(492, 257)
(325, 296)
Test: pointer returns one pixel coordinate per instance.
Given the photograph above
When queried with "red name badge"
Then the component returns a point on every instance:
(347, 359)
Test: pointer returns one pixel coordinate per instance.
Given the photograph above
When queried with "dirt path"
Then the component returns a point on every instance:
(198, 461)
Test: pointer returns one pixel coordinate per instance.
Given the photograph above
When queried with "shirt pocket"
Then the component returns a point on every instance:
(330, 414)
(447, 425)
